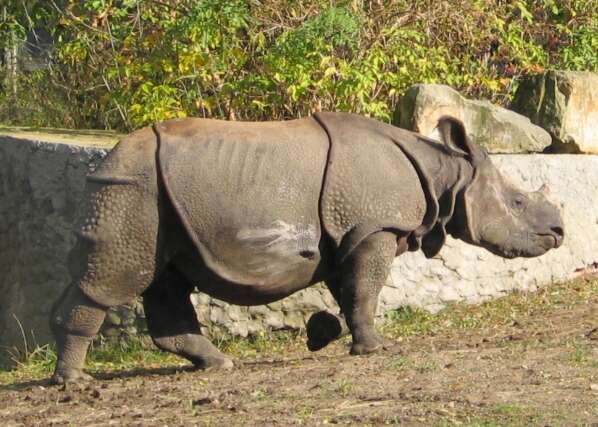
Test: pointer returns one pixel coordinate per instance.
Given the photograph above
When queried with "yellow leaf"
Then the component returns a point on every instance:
(330, 71)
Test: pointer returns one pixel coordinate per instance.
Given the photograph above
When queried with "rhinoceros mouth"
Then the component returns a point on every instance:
(533, 245)
(550, 240)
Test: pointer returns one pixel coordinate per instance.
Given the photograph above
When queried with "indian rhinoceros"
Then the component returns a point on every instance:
(252, 212)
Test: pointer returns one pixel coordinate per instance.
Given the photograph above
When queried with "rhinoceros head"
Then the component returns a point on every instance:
(492, 213)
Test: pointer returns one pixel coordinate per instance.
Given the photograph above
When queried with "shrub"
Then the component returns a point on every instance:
(124, 64)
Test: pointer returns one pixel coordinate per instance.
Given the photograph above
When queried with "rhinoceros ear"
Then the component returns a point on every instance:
(455, 139)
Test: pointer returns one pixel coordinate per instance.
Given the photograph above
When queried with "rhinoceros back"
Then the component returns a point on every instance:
(248, 193)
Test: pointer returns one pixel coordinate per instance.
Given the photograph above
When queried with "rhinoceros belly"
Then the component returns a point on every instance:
(276, 249)
(248, 194)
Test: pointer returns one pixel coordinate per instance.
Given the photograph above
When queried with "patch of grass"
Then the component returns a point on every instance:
(508, 409)
(505, 414)
(426, 366)
(421, 365)
(263, 344)
(400, 363)
(133, 352)
(304, 412)
(583, 356)
(32, 365)
(408, 321)
(580, 355)
(104, 355)
(128, 353)
(508, 310)
(344, 387)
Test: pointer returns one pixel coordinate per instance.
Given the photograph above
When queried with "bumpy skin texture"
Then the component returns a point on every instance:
(120, 241)
(75, 320)
(363, 274)
(252, 212)
(388, 195)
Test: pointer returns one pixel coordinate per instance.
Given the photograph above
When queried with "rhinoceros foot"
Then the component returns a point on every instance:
(69, 376)
(374, 344)
(213, 362)
(323, 328)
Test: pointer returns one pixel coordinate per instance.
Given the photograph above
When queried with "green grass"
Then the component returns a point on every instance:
(344, 387)
(105, 356)
(500, 415)
(508, 310)
(127, 354)
(34, 365)
(263, 344)
(132, 353)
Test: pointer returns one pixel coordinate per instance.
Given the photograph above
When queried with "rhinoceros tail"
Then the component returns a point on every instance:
(130, 161)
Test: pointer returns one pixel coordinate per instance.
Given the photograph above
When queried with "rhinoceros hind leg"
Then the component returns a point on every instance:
(173, 325)
(75, 320)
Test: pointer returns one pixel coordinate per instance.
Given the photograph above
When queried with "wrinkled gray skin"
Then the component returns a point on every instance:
(252, 212)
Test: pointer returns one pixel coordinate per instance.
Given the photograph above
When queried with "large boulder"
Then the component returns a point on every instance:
(565, 103)
(497, 129)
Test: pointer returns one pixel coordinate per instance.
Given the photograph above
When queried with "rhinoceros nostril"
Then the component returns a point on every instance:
(558, 231)
(558, 235)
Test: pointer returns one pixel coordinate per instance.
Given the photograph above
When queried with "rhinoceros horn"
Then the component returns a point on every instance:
(544, 189)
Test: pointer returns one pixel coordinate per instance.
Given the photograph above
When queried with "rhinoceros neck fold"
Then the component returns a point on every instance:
(443, 176)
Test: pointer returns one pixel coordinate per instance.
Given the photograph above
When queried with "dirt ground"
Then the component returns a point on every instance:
(540, 371)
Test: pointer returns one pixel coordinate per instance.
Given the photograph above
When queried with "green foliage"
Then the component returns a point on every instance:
(124, 64)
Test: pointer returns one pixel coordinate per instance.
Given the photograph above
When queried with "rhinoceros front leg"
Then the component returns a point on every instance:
(364, 273)
(324, 327)
(173, 325)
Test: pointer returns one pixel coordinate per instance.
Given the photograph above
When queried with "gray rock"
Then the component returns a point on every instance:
(294, 320)
(274, 320)
(112, 318)
(565, 103)
(497, 129)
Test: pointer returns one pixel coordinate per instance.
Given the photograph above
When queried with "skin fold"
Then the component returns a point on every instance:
(252, 212)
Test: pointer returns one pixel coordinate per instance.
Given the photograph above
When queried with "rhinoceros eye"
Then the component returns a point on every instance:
(518, 203)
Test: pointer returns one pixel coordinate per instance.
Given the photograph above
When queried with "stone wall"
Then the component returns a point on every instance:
(41, 186)
(42, 179)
